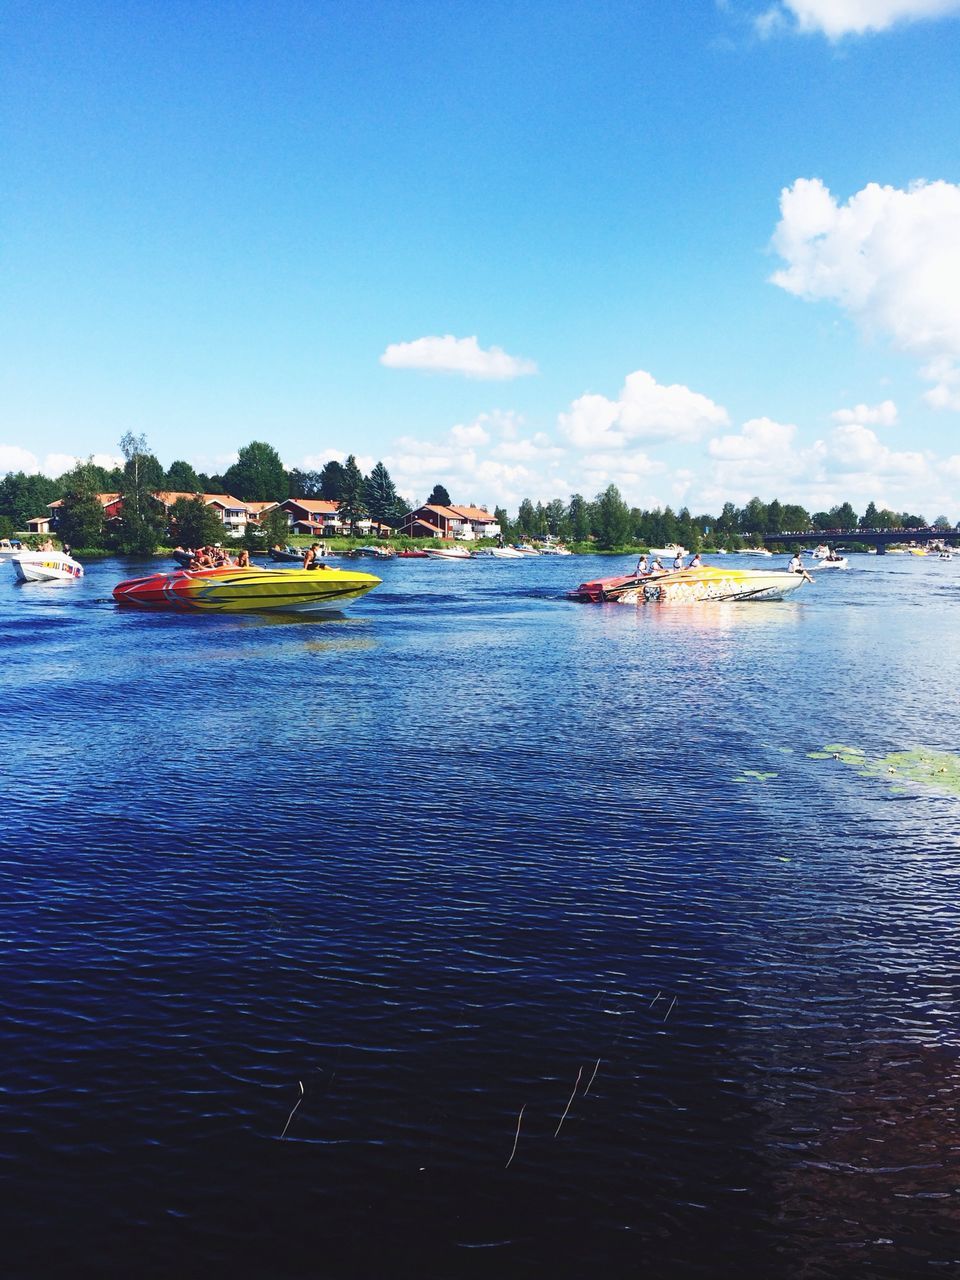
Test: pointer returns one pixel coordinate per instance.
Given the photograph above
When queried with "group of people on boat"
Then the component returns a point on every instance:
(216, 557)
(646, 569)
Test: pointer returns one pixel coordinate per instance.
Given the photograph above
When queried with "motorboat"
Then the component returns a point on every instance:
(408, 553)
(918, 551)
(507, 553)
(821, 552)
(754, 551)
(45, 566)
(233, 590)
(554, 549)
(525, 549)
(288, 555)
(672, 549)
(945, 555)
(691, 586)
(371, 553)
(447, 553)
(832, 561)
(10, 547)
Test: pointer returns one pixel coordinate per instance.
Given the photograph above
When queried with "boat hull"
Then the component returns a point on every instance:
(232, 590)
(691, 586)
(46, 566)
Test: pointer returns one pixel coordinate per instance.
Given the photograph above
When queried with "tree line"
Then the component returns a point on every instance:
(259, 475)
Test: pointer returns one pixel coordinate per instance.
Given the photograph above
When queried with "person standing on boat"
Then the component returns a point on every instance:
(642, 568)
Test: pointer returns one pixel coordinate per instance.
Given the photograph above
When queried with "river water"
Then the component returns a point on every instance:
(474, 932)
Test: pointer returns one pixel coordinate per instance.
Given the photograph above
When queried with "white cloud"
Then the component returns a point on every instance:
(836, 18)
(15, 458)
(855, 449)
(645, 410)
(889, 257)
(456, 355)
(470, 434)
(881, 415)
(761, 440)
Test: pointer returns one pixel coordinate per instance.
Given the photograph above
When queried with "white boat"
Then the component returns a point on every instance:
(832, 562)
(672, 550)
(754, 551)
(821, 552)
(447, 553)
(551, 549)
(503, 553)
(945, 555)
(9, 549)
(46, 566)
(524, 549)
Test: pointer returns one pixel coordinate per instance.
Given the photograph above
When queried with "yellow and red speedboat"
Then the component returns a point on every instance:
(233, 590)
(692, 586)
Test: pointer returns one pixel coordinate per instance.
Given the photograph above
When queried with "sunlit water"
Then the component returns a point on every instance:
(465, 852)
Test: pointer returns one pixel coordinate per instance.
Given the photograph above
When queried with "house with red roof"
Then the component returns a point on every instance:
(462, 522)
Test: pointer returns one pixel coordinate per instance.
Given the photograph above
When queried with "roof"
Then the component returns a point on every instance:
(316, 506)
(476, 513)
(259, 507)
(223, 500)
(105, 500)
(425, 524)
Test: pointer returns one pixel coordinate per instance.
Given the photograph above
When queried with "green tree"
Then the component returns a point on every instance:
(795, 518)
(527, 519)
(258, 475)
(439, 497)
(556, 514)
(380, 496)
(843, 517)
(275, 528)
(578, 515)
(331, 482)
(753, 517)
(942, 522)
(194, 524)
(23, 496)
(775, 517)
(869, 518)
(141, 520)
(613, 519)
(302, 484)
(503, 520)
(80, 520)
(352, 506)
(181, 478)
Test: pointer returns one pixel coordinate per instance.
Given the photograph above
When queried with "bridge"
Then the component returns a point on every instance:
(879, 538)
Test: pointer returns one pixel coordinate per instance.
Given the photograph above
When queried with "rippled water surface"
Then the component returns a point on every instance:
(582, 964)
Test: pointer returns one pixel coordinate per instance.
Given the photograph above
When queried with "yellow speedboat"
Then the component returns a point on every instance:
(233, 590)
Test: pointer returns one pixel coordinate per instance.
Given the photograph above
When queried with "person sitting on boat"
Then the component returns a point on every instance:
(312, 559)
(657, 566)
(696, 562)
(243, 559)
(796, 564)
(642, 568)
(677, 562)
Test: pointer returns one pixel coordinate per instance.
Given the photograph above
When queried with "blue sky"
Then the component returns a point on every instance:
(319, 224)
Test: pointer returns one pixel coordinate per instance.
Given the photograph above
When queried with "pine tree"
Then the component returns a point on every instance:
(380, 495)
(352, 506)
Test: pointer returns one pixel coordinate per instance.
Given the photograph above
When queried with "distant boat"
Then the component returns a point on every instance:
(371, 553)
(506, 553)
(10, 548)
(288, 555)
(46, 566)
(672, 549)
(754, 551)
(447, 553)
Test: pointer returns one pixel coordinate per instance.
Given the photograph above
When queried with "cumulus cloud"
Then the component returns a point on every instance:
(761, 440)
(890, 258)
(881, 415)
(14, 457)
(456, 355)
(836, 18)
(645, 410)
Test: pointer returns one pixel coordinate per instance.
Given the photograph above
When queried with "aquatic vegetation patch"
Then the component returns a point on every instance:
(753, 775)
(936, 770)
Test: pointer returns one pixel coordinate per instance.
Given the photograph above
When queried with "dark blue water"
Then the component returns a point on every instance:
(468, 850)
